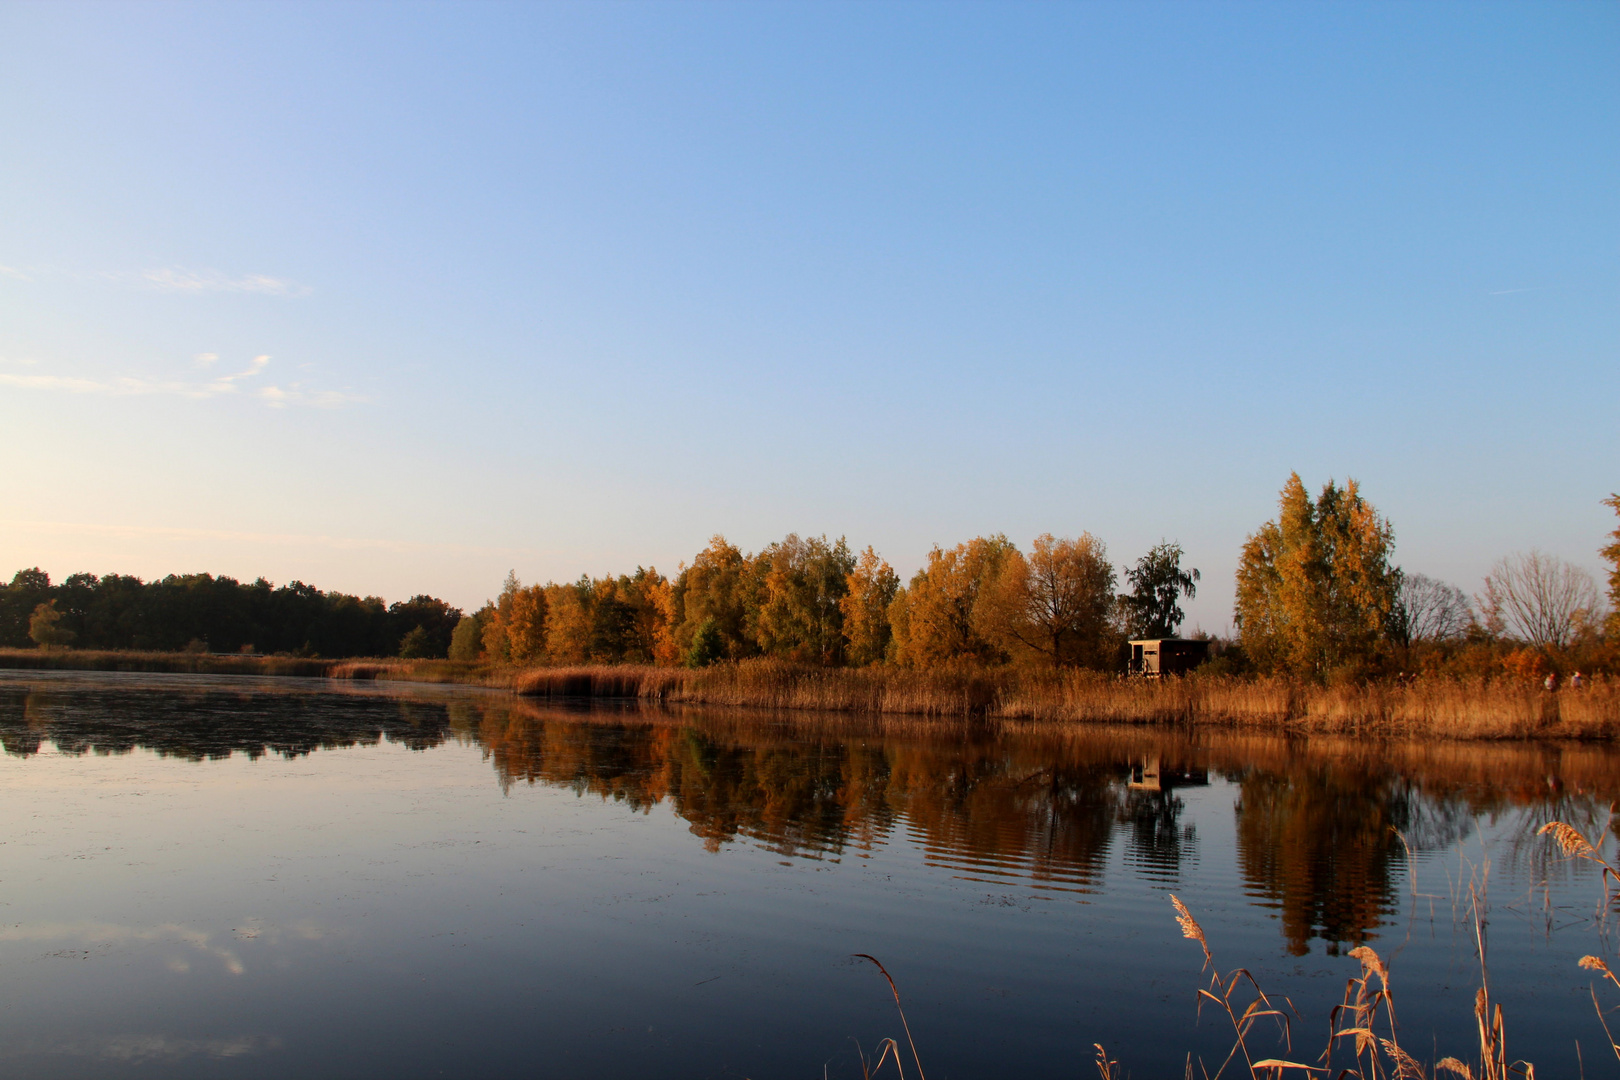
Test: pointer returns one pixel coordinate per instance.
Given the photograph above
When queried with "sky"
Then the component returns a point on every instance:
(393, 299)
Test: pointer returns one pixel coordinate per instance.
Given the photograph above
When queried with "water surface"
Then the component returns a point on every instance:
(230, 877)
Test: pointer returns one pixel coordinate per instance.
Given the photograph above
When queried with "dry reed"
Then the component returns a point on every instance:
(1431, 705)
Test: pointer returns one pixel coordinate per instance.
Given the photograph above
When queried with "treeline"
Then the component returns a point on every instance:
(217, 614)
(1318, 596)
(815, 601)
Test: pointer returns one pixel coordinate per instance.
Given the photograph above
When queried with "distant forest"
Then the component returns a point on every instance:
(219, 614)
(1317, 594)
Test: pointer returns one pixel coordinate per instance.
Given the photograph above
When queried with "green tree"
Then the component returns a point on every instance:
(1315, 588)
(1152, 608)
(43, 627)
(415, 645)
(707, 645)
(465, 642)
(28, 589)
(715, 587)
(799, 615)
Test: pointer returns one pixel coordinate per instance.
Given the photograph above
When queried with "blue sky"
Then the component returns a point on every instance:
(570, 288)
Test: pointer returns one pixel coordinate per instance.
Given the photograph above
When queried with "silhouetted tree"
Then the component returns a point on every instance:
(1152, 608)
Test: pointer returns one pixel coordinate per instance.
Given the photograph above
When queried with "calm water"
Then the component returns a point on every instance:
(232, 877)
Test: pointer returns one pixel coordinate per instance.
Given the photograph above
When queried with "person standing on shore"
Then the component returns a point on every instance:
(1552, 681)
(1575, 681)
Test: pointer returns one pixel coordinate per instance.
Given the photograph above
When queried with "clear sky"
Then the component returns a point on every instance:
(395, 298)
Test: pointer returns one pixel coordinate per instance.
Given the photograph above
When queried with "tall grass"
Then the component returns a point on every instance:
(1429, 705)
(1473, 708)
(189, 663)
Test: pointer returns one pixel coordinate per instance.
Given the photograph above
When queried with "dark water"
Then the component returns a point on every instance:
(229, 877)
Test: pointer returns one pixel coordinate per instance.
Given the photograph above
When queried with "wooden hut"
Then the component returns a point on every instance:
(1167, 656)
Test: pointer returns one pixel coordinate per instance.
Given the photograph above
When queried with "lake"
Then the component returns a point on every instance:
(233, 877)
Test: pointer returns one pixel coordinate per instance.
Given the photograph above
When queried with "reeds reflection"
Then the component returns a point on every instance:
(1319, 821)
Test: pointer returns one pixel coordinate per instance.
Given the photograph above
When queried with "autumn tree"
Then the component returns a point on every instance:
(496, 616)
(869, 590)
(45, 630)
(1538, 598)
(1315, 588)
(1054, 604)
(799, 616)
(713, 587)
(638, 620)
(1611, 555)
(569, 622)
(1431, 610)
(932, 619)
(1152, 608)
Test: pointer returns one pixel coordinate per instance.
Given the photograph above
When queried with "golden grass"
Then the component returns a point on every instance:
(187, 663)
(1470, 708)
(161, 662)
(1430, 705)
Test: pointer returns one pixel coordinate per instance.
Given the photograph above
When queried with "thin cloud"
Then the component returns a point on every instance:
(276, 397)
(176, 279)
(173, 279)
(1509, 292)
(341, 543)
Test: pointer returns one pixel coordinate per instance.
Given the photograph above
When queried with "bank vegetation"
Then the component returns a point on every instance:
(1331, 634)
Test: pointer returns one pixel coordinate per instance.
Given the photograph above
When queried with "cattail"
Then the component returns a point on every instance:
(1406, 1066)
(1370, 963)
(1190, 928)
(1570, 842)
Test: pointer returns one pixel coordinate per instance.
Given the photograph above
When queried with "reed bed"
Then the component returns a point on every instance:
(162, 662)
(1431, 705)
(188, 663)
(1445, 706)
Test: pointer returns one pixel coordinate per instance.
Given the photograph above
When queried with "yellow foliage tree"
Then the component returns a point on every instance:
(568, 633)
(526, 626)
(869, 590)
(1611, 555)
(1055, 604)
(496, 618)
(798, 615)
(933, 619)
(1315, 588)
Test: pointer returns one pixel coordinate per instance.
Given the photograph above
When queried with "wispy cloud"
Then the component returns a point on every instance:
(342, 543)
(1509, 292)
(173, 279)
(274, 396)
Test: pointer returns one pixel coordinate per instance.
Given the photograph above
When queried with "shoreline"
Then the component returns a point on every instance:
(1438, 706)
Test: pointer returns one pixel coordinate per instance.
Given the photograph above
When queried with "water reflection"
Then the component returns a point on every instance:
(1321, 825)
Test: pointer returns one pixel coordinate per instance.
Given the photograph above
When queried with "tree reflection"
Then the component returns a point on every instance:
(1317, 843)
(1042, 808)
